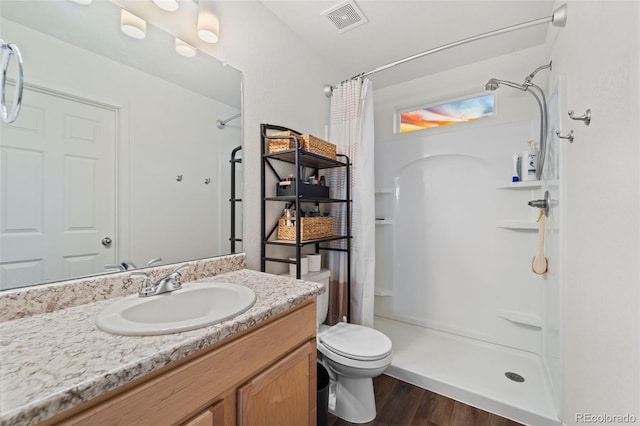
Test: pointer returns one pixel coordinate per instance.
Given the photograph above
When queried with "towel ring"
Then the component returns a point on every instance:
(9, 50)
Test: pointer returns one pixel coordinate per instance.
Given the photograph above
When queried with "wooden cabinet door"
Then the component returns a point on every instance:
(212, 416)
(284, 394)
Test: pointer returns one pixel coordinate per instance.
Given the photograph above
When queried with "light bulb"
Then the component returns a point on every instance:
(170, 5)
(132, 25)
(185, 49)
(208, 23)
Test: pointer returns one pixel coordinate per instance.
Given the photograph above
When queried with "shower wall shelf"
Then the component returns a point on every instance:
(297, 161)
(518, 225)
(522, 185)
(521, 225)
(528, 184)
(383, 292)
(384, 207)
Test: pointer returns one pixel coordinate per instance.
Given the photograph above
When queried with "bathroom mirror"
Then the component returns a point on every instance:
(116, 157)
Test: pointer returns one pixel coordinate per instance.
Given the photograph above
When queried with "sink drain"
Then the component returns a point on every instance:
(514, 376)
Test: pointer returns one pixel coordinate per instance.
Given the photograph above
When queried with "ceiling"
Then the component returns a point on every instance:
(76, 24)
(399, 28)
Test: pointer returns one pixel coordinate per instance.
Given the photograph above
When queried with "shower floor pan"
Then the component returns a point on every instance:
(471, 371)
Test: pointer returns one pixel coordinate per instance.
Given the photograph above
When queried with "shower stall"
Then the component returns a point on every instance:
(455, 237)
(454, 287)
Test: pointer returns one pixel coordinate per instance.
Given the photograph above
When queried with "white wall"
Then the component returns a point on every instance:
(283, 81)
(597, 54)
(165, 130)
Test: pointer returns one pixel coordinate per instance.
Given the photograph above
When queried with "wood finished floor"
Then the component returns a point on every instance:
(401, 404)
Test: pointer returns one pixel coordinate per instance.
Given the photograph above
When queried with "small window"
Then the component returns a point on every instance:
(459, 111)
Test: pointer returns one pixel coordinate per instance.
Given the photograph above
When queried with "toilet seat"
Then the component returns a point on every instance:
(355, 342)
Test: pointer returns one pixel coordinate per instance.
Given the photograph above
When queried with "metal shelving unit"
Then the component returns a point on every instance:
(233, 239)
(300, 159)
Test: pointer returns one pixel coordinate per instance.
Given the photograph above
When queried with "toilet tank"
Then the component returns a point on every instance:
(322, 276)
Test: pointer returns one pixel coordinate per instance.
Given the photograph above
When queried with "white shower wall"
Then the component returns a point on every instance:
(455, 269)
(455, 252)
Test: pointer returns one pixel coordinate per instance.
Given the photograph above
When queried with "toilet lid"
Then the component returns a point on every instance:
(355, 341)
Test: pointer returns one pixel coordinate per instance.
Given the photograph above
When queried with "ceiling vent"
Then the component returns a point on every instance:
(345, 16)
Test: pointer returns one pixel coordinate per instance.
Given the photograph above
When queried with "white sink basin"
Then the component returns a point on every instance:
(194, 306)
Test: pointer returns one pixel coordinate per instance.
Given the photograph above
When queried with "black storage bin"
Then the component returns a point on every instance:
(306, 189)
(322, 402)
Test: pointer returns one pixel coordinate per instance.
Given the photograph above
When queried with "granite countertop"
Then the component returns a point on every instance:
(55, 361)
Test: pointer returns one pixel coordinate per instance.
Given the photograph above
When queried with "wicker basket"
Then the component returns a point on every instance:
(276, 145)
(311, 228)
(309, 143)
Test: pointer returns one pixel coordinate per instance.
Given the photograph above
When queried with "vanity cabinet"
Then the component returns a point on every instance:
(265, 375)
(281, 394)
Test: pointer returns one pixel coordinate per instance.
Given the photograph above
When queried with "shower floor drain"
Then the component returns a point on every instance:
(514, 376)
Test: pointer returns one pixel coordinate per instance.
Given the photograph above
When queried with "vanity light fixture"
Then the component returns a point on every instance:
(132, 25)
(208, 23)
(169, 5)
(185, 49)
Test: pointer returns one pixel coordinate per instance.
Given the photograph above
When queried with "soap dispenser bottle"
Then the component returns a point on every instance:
(529, 163)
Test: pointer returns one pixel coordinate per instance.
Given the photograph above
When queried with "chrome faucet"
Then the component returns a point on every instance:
(170, 282)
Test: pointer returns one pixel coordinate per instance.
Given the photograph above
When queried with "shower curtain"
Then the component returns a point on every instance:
(352, 131)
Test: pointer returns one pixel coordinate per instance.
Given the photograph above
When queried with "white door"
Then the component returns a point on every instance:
(57, 189)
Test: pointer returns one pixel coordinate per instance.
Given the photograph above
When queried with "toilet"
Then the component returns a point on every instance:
(353, 355)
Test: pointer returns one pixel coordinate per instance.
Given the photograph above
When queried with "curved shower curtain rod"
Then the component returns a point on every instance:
(557, 19)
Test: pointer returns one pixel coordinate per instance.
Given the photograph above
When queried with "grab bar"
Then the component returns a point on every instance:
(8, 50)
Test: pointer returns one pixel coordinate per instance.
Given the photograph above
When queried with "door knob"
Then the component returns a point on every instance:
(106, 241)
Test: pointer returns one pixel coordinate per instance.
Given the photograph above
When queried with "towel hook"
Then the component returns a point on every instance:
(586, 117)
(569, 137)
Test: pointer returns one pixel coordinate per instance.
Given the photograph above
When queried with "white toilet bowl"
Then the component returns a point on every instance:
(353, 355)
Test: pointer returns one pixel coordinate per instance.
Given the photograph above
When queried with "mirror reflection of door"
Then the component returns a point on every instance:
(166, 107)
(57, 190)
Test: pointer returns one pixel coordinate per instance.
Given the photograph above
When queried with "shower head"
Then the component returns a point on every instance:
(494, 83)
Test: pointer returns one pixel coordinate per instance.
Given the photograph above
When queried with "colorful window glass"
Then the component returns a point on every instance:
(448, 113)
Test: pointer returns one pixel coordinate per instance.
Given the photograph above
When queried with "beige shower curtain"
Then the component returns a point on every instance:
(352, 131)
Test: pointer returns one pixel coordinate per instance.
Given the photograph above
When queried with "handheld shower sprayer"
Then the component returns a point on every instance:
(494, 83)
(538, 94)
